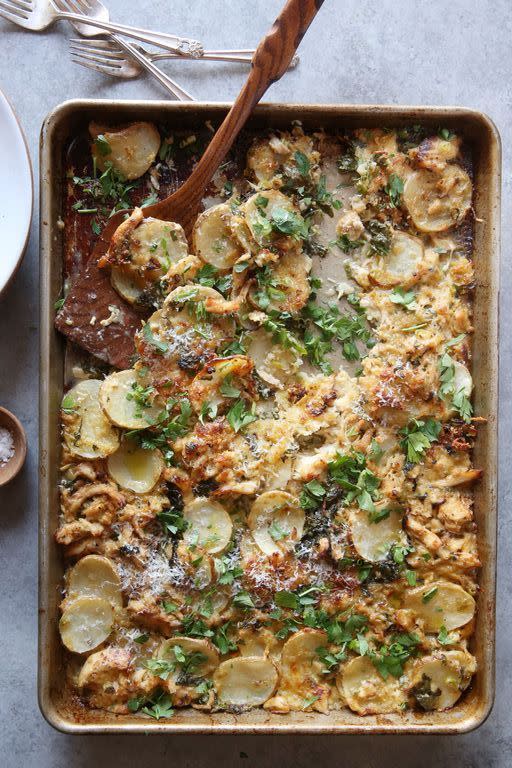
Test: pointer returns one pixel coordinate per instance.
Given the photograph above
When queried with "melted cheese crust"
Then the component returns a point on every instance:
(309, 542)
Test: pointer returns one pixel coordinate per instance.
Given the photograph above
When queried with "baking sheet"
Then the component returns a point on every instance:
(58, 705)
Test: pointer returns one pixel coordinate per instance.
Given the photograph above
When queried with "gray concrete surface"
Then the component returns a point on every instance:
(387, 51)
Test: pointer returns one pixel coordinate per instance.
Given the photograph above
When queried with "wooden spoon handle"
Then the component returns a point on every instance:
(271, 60)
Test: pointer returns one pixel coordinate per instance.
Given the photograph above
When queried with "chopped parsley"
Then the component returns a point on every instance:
(391, 658)
(157, 706)
(394, 189)
(239, 417)
(428, 595)
(405, 298)
(160, 347)
(447, 391)
(359, 483)
(418, 436)
(312, 495)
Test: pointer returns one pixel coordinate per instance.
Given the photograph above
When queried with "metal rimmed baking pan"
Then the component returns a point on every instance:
(57, 703)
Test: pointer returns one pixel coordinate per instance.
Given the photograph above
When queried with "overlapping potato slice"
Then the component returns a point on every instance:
(285, 286)
(201, 656)
(438, 681)
(365, 690)
(263, 213)
(462, 379)
(131, 150)
(374, 540)
(209, 526)
(245, 681)
(86, 623)
(221, 380)
(213, 239)
(299, 658)
(439, 604)
(140, 254)
(87, 431)
(437, 201)
(403, 264)
(276, 521)
(128, 400)
(134, 468)
(256, 642)
(94, 576)
(274, 364)
(180, 338)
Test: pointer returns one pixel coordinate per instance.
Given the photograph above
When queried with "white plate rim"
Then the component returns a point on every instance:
(7, 109)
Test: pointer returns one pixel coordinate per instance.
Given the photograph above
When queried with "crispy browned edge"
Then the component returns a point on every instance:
(54, 700)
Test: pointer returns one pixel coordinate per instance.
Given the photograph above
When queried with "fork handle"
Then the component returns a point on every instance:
(162, 78)
(183, 46)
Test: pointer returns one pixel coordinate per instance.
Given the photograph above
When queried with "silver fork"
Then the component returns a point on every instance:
(137, 57)
(37, 15)
(107, 57)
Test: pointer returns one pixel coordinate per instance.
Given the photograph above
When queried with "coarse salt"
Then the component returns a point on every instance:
(6, 445)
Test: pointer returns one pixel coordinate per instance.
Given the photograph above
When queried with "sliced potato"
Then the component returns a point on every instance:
(245, 681)
(125, 286)
(437, 681)
(373, 540)
(209, 525)
(276, 521)
(365, 691)
(256, 642)
(95, 576)
(290, 278)
(259, 214)
(441, 603)
(403, 264)
(213, 239)
(263, 162)
(299, 658)
(438, 201)
(206, 658)
(140, 255)
(219, 376)
(87, 431)
(180, 338)
(131, 149)
(135, 468)
(86, 623)
(462, 379)
(274, 364)
(117, 396)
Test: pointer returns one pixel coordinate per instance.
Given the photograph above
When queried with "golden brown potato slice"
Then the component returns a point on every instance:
(95, 576)
(365, 690)
(213, 239)
(438, 201)
(134, 468)
(438, 681)
(127, 401)
(276, 521)
(130, 149)
(86, 623)
(209, 526)
(439, 604)
(374, 540)
(87, 431)
(245, 681)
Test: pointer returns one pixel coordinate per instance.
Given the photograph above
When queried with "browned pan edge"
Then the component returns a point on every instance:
(56, 707)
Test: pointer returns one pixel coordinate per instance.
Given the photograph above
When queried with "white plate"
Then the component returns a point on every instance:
(16, 192)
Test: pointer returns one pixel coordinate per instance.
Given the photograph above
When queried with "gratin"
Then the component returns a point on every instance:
(272, 506)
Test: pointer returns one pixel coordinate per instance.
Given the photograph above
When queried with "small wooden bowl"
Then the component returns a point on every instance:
(10, 469)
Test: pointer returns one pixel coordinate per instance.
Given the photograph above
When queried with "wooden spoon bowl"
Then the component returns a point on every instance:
(10, 469)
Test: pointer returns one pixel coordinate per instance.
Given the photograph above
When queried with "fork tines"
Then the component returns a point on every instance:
(14, 10)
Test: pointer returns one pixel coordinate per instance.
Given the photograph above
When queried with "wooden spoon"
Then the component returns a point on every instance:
(270, 62)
